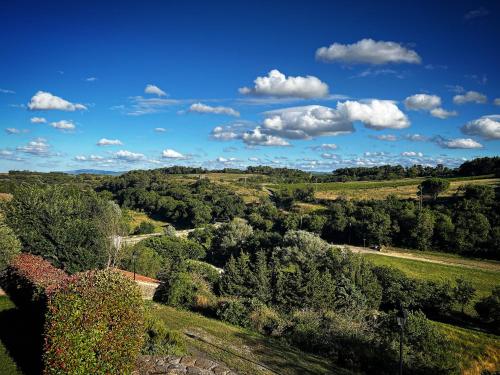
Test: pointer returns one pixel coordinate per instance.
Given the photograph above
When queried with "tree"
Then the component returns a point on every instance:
(434, 186)
(463, 292)
(422, 230)
(489, 307)
(9, 244)
(228, 240)
(61, 223)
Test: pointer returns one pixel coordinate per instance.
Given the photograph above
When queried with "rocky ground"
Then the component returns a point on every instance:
(159, 365)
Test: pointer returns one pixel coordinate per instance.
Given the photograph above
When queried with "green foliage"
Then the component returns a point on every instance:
(463, 292)
(94, 325)
(145, 227)
(228, 240)
(159, 339)
(434, 186)
(489, 307)
(148, 261)
(234, 310)
(9, 245)
(62, 223)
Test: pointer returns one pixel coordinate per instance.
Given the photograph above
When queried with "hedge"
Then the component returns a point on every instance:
(94, 325)
(28, 279)
(92, 322)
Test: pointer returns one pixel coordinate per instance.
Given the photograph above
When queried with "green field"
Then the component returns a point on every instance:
(264, 350)
(403, 188)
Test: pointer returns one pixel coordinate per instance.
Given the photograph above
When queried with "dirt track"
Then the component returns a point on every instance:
(430, 258)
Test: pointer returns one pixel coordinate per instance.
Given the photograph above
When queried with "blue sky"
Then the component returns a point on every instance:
(311, 85)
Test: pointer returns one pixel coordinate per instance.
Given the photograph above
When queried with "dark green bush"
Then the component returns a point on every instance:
(159, 339)
(94, 325)
(488, 308)
(234, 310)
(145, 227)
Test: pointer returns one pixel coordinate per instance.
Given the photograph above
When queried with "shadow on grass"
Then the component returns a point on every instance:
(21, 335)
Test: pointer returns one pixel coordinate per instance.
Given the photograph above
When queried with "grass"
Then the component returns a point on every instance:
(476, 351)
(7, 364)
(261, 349)
(403, 188)
(135, 218)
(484, 280)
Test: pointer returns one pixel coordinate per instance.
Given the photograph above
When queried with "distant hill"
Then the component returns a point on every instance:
(93, 171)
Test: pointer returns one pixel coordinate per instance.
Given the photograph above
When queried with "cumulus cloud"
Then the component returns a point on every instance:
(37, 147)
(256, 137)
(442, 113)
(128, 156)
(412, 154)
(95, 158)
(325, 147)
(278, 85)
(38, 120)
(470, 97)
(461, 143)
(155, 90)
(43, 100)
(203, 108)
(254, 159)
(375, 114)
(172, 154)
(422, 102)
(91, 79)
(160, 130)
(327, 155)
(386, 137)
(108, 142)
(63, 125)
(368, 51)
(487, 127)
(416, 137)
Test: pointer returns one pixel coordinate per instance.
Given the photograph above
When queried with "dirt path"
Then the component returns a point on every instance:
(430, 258)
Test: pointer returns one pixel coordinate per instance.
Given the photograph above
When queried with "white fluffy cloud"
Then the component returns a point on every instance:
(160, 130)
(129, 156)
(255, 137)
(38, 120)
(375, 114)
(459, 143)
(63, 125)
(88, 158)
(416, 137)
(442, 113)
(155, 90)
(470, 97)
(278, 85)
(412, 154)
(487, 127)
(422, 102)
(368, 51)
(219, 110)
(325, 147)
(172, 154)
(37, 147)
(109, 142)
(46, 101)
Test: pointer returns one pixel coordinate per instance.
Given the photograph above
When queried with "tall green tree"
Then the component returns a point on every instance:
(434, 186)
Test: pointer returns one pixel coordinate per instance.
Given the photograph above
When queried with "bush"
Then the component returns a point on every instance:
(234, 310)
(94, 325)
(9, 245)
(267, 321)
(28, 279)
(159, 339)
(145, 227)
(488, 308)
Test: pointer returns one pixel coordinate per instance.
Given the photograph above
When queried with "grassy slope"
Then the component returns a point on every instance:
(135, 218)
(7, 364)
(261, 349)
(477, 351)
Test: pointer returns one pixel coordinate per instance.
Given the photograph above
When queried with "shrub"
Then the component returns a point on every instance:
(267, 321)
(159, 339)
(9, 245)
(28, 279)
(234, 311)
(488, 308)
(145, 227)
(94, 325)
